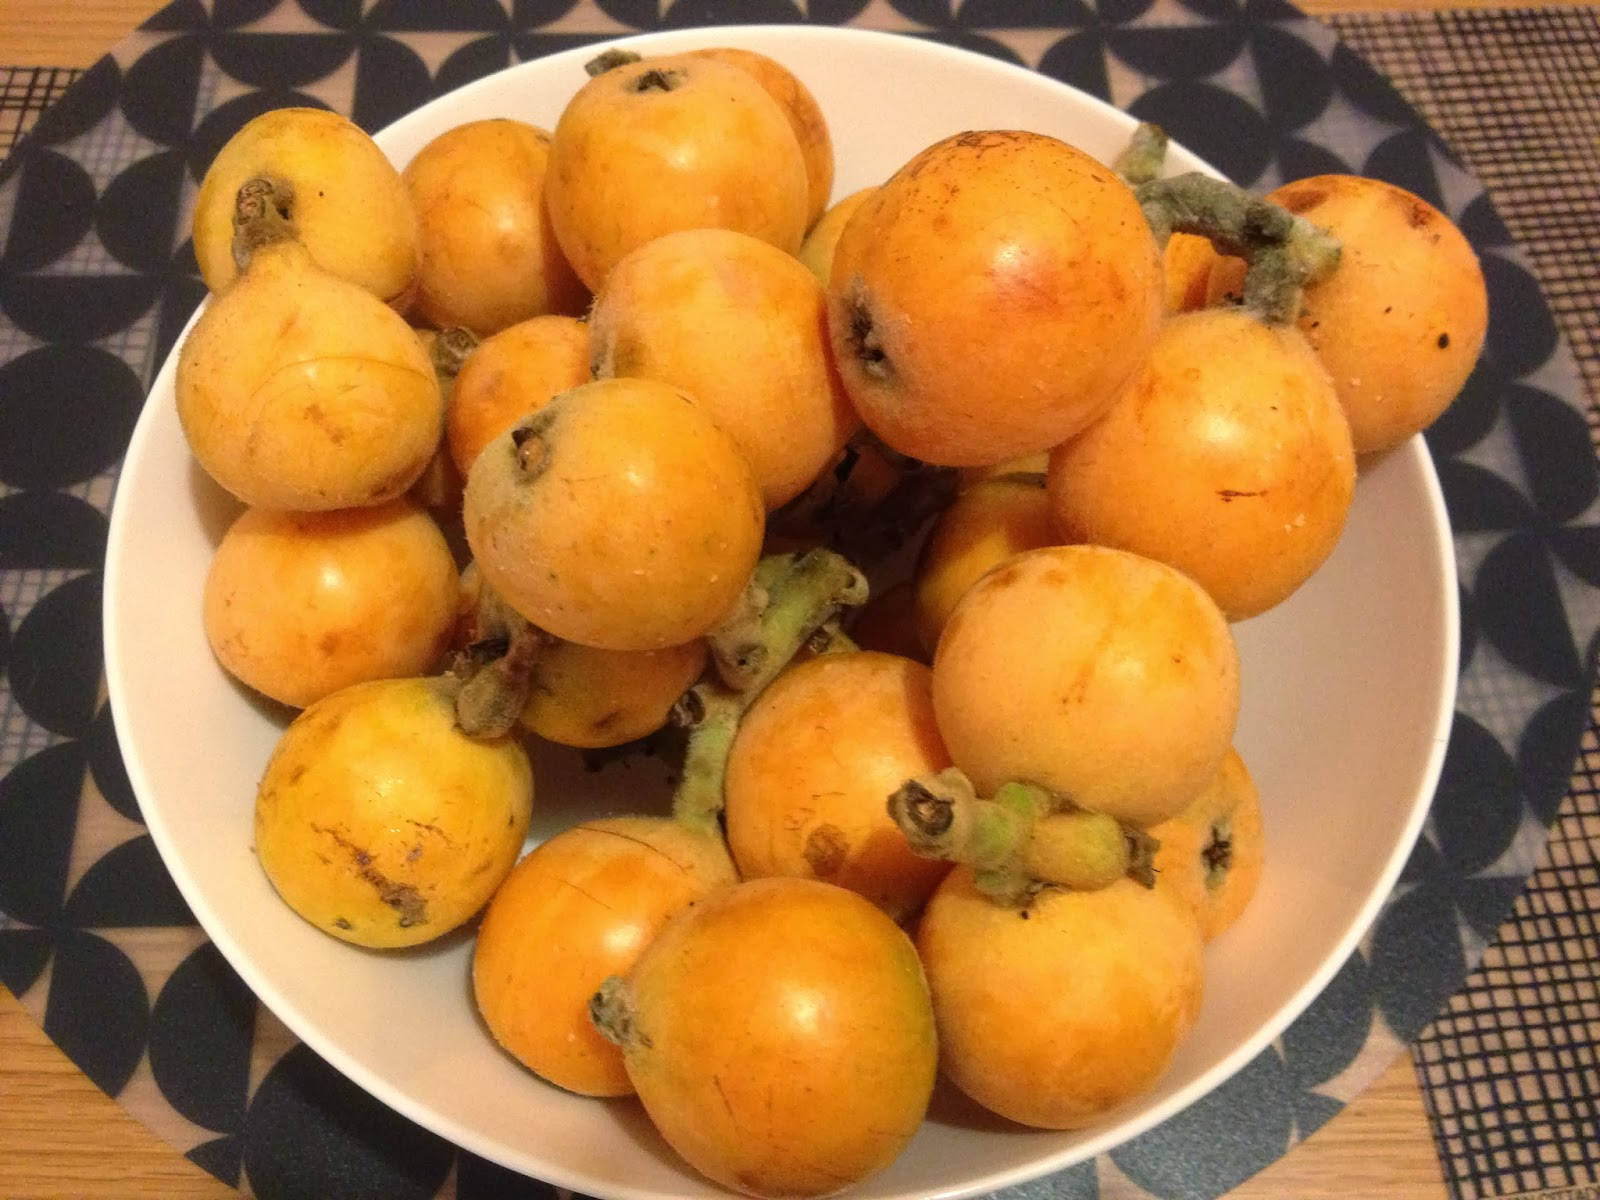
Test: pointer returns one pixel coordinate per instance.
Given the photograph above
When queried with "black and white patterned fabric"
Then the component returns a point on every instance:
(97, 278)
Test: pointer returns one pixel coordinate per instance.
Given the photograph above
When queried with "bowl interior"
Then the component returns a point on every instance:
(1348, 691)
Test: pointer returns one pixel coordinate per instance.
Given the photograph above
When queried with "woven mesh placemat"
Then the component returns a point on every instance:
(1511, 1068)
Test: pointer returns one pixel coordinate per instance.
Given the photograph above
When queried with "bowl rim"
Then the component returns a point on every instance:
(1118, 1132)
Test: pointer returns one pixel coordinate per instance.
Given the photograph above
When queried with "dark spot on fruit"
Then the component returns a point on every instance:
(825, 850)
(342, 923)
(861, 334)
(1444, 341)
(1024, 914)
(1227, 495)
(656, 79)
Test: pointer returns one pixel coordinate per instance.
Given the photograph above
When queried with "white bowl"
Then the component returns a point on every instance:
(1348, 694)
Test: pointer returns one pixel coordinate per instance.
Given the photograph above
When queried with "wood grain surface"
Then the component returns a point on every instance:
(60, 1136)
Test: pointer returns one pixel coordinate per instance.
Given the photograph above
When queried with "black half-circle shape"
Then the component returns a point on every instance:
(77, 308)
(1524, 614)
(98, 1011)
(234, 14)
(128, 887)
(336, 14)
(24, 954)
(1079, 60)
(1480, 222)
(683, 14)
(278, 60)
(1417, 959)
(47, 528)
(201, 1028)
(55, 659)
(1481, 501)
(1405, 160)
(82, 106)
(1473, 414)
(1367, 89)
(1553, 442)
(107, 768)
(473, 60)
(1028, 14)
(1476, 808)
(1222, 1139)
(51, 211)
(391, 80)
(1547, 749)
(67, 416)
(1299, 158)
(1294, 80)
(1177, 52)
(461, 16)
(346, 1141)
(137, 218)
(158, 91)
(1221, 127)
(1323, 1042)
(38, 820)
(1522, 333)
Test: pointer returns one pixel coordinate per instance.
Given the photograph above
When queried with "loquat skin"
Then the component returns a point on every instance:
(983, 526)
(812, 765)
(988, 300)
(1227, 456)
(299, 390)
(586, 697)
(383, 824)
(349, 208)
(822, 239)
(509, 375)
(1400, 322)
(1108, 678)
(1187, 262)
(1055, 1013)
(299, 605)
(671, 309)
(1212, 853)
(780, 1036)
(671, 142)
(488, 256)
(578, 908)
(805, 115)
(618, 516)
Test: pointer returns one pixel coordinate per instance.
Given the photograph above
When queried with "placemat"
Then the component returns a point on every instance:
(1511, 1067)
(96, 278)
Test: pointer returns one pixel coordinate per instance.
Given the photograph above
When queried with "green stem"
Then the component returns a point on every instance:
(1143, 158)
(1022, 838)
(607, 59)
(1284, 252)
(804, 593)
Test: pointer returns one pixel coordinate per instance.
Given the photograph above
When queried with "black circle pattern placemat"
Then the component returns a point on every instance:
(96, 278)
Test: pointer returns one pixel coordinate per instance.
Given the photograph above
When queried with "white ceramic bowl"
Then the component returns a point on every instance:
(1348, 693)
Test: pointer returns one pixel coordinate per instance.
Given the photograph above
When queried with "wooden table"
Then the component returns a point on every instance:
(61, 1136)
